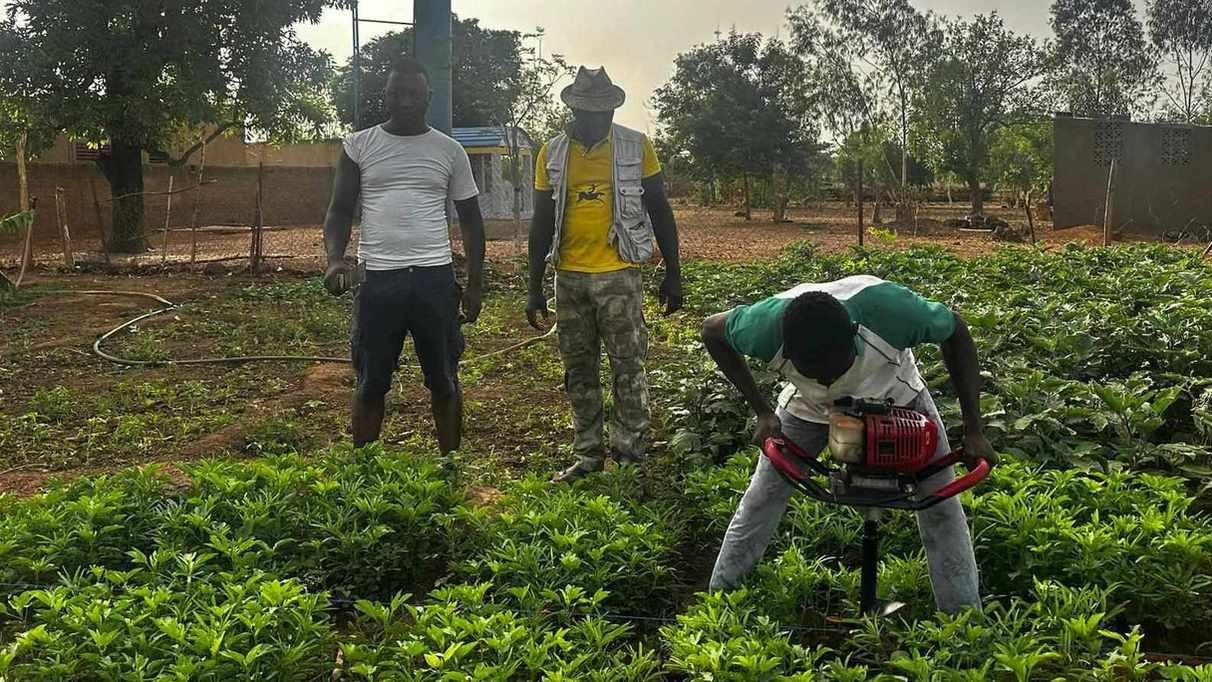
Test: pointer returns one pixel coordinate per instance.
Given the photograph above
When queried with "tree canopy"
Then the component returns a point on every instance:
(1020, 155)
(868, 60)
(979, 78)
(484, 64)
(737, 107)
(137, 75)
(1181, 31)
(1104, 64)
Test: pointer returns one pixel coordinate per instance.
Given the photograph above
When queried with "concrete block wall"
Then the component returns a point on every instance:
(1163, 174)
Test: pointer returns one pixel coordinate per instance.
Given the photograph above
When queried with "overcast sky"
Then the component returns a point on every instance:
(636, 40)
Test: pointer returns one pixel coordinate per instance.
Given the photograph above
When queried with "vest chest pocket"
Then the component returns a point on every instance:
(632, 200)
(555, 173)
(630, 171)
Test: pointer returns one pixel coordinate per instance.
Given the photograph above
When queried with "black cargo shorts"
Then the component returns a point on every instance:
(392, 304)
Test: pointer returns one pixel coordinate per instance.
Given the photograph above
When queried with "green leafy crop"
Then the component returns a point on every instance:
(1092, 537)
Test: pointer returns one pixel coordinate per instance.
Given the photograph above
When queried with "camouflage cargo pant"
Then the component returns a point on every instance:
(607, 309)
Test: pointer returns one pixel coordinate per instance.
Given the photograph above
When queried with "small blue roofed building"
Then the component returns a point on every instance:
(492, 166)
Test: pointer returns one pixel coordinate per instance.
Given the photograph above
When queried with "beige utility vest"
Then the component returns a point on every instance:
(631, 228)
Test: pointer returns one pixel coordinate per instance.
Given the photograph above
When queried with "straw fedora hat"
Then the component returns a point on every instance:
(592, 90)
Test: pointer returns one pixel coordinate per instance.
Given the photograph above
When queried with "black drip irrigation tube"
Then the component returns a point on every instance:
(168, 306)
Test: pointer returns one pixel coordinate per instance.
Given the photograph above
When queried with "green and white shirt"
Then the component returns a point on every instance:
(891, 321)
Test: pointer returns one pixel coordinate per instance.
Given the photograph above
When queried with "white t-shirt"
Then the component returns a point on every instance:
(406, 182)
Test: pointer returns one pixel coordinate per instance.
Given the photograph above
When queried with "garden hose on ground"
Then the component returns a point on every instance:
(169, 305)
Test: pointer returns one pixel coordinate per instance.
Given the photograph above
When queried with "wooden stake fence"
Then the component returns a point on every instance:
(168, 214)
(69, 258)
(1107, 206)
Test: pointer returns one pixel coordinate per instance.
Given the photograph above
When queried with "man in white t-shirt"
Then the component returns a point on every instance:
(405, 172)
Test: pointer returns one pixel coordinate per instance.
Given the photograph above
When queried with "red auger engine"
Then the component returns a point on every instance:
(884, 454)
(883, 438)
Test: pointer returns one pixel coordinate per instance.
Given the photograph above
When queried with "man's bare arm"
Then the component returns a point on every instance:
(732, 364)
(542, 233)
(960, 358)
(665, 228)
(338, 223)
(471, 224)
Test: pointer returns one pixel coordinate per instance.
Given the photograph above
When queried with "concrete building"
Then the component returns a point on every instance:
(491, 165)
(1162, 180)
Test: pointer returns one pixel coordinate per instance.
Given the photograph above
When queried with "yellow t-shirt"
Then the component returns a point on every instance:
(589, 206)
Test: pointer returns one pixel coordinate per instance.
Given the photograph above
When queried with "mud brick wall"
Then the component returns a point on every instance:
(293, 196)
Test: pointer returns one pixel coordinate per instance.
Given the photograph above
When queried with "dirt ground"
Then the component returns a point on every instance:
(46, 340)
(57, 332)
(705, 233)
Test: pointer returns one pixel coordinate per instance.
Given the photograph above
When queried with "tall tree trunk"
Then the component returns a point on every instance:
(977, 197)
(23, 204)
(22, 178)
(193, 221)
(858, 199)
(901, 198)
(124, 170)
(748, 206)
(69, 258)
(875, 211)
(902, 208)
(1030, 218)
(778, 181)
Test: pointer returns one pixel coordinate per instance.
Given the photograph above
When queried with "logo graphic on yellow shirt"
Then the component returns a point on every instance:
(592, 194)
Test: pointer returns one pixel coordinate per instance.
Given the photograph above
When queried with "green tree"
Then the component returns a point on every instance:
(14, 124)
(18, 104)
(1104, 65)
(865, 146)
(979, 78)
(135, 74)
(1021, 156)
(485, 63)
(529, 103)
(737, 106)
(1181, 31)
(866, 47)
(842, 96)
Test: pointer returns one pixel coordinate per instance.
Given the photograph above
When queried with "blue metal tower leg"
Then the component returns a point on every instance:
(432, 32)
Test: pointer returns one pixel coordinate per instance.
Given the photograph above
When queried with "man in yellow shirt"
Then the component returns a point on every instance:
(599, 205)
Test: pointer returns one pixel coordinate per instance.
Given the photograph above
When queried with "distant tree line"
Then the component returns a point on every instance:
(916, 99)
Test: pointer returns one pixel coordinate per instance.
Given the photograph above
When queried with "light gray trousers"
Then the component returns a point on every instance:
(943, 527)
